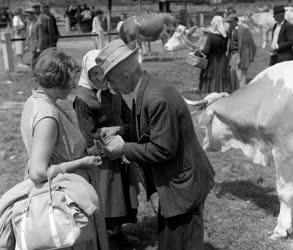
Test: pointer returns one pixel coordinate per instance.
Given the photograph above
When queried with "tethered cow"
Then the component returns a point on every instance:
(258, 120)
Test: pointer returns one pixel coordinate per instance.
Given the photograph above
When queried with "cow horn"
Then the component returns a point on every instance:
(195, 103)
(208, 100)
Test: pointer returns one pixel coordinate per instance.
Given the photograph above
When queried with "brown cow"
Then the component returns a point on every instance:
(147, 27)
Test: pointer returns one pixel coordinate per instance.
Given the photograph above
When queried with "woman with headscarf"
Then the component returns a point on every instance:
(215, 78)
(102, 113)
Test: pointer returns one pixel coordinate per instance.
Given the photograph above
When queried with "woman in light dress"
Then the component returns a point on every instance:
(52, 139)
(19, 32)
(97, 27)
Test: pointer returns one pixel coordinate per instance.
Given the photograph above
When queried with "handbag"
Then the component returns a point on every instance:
(49, 219)
(197, 61)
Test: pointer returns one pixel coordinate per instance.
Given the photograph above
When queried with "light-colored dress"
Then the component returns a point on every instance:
(19, 32)
(96, 28)
(70, 145)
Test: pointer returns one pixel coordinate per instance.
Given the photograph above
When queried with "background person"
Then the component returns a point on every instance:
(282, 37)
(123, 17)
(241, 52)
(53, 32)
(164, 144)
(44, 20)
(52, 139)
(85, 19)
(19, 32)
(34, 36)
(97, 26)
(101, 113)
(215, 78)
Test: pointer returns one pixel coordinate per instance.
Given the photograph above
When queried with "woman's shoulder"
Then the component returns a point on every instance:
(40, 107)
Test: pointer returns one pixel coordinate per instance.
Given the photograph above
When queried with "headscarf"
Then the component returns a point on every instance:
(218, 26)
(88, 62)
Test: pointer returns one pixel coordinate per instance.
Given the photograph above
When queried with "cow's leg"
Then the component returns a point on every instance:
(140, 51)
(149, 48)
(284, 163)
(143, 48)
(264, 38)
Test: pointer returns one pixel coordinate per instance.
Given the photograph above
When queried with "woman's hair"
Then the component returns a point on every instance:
(16, 11)
(55, 69)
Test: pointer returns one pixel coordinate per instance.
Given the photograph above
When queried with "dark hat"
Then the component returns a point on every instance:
(36, 6)
(278, 9)
(99, 12)
(232, 18)
(30, 11)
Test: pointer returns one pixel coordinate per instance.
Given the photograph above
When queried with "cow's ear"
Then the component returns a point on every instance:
(190, 31)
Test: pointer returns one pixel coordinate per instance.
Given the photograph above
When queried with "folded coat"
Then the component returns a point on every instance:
(76, 187)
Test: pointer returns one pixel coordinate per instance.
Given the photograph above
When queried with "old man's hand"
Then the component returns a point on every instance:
(114, 146)
(109, 131)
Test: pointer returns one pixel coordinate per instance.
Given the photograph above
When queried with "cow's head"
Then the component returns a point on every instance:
(183, 38)
(221, 135)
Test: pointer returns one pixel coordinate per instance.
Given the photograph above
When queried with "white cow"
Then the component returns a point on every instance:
(258, 119)
(183, 38)
(264, 22)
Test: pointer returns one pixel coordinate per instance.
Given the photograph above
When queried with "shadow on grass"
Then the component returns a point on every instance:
(159, 59)
(146, 231)
(246, 190)
(209, 246)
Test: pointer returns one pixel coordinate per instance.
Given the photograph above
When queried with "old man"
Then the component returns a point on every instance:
(164, 144)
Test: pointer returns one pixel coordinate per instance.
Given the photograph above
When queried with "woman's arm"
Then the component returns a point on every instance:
(207, 47)
(43, 143)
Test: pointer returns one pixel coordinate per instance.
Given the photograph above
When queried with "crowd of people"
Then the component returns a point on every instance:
(82, 16)
(39, 28)
(230, 49)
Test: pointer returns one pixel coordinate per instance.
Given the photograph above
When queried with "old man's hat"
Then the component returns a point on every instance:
(278, 9)
(112, 54)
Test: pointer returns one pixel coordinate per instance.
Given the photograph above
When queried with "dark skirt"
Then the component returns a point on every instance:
(216, 78)
(118, 188)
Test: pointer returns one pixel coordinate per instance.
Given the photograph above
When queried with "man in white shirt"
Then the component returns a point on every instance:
(282, 40)
(123, 17)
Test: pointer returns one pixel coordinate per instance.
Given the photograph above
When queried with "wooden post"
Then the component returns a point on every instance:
(7, 52)
(201, 19)
(109, 25)
(67, 24)
(139, 6)
(101, 39)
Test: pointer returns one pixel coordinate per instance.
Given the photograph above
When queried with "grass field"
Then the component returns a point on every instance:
(239, 212)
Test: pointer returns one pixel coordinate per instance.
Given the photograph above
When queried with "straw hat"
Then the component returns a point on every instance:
(112, 54)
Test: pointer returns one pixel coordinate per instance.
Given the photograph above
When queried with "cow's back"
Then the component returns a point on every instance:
(264, 108)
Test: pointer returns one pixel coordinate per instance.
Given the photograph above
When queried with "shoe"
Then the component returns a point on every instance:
(124, 239)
